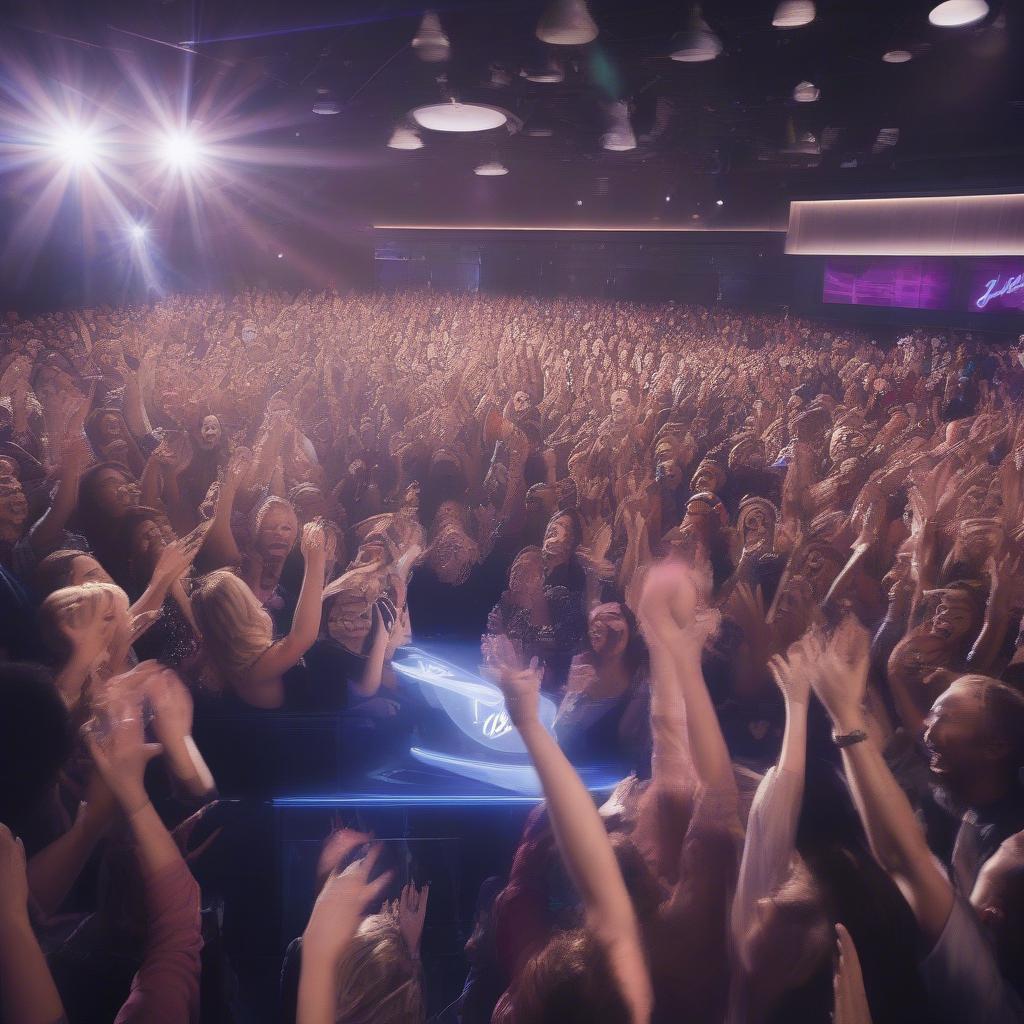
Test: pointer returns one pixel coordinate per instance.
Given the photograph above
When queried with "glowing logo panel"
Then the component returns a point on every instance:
(475, 705)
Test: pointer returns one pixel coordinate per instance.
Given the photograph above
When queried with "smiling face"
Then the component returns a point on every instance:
(109, 489)
(709, 477)
(109, 427)
(958, 737)
(209, 433)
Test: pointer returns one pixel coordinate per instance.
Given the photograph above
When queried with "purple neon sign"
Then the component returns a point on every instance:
(996, 286)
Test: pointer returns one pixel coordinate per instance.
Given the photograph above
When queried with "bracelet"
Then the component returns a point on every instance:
(848, 739)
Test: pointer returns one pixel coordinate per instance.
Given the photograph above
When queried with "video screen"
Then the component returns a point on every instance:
(906, 283)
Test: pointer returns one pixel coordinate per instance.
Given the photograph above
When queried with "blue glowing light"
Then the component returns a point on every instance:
(475, 705)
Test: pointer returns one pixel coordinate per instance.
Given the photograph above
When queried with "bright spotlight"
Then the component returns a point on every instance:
(77, 147)
(138, 232)
(280, 255)
(180, 150)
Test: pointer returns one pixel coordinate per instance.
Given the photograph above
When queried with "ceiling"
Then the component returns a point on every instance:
(706, 132)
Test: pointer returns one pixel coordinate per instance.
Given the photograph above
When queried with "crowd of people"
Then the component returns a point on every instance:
(768, 570)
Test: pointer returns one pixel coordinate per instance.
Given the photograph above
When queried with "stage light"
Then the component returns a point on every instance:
(180, 150)
(579, 202)
(668, 199)
(459, 117)
(430, 43)
(897, 56)
(696, 43)
(793, 14)
(620, 137)
(405, 138)
(806, 92)
(719, 202)
(280, 255)
(77, 147)
(138, 232)
(490, 169)
(958, 13)
(567, 23)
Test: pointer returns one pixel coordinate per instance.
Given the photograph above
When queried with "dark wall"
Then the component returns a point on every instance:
(740, 268)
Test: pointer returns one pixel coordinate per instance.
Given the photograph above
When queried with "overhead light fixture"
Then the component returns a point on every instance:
(695, 43)
(719, 202)
(620, 137)
(579, 202)
(793, 14)
(806, 92)
(567, 23)
(405, 138)
(325, 104)
(958, 13)
(490, 169)
(897, 56)
(551, 74)
(538, 128)
(459, 117)
(138, 232)
(430, 43)
(280, 255)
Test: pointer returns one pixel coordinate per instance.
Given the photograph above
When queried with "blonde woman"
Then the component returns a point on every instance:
(88, 630)
(238, 633)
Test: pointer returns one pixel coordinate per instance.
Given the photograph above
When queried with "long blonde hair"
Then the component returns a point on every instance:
(378, 979)
(74, 607)
(236, 628)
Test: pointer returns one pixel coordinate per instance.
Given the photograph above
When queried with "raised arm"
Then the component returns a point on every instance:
(27, 992)
(165, 990)
(892, 829)
(46, 534)
(771, 826)
(306, 620)
(221, 540)
(583, 843)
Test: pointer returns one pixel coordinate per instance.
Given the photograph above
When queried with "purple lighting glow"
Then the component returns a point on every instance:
(996, 286)
(908, 284)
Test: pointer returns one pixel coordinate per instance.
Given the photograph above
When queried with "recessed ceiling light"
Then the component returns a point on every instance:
(958, 13)
(897, 56)
(459, 117)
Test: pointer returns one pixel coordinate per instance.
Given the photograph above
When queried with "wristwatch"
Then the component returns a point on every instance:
(848, 739)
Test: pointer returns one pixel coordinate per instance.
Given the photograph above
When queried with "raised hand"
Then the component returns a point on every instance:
(120, 752)
(177, 556)
(340, 906)
(314, 540)
(521, 690)
(412, 912)
(172, 707)
(336, 848)
(841, 680)
(850, 999)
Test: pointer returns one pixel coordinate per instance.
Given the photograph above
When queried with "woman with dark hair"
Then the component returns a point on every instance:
(603, 716)
(106, 492)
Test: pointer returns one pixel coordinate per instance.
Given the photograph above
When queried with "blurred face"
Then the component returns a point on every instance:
(756, 527)
(13, 506)
(520, 402)
(209, 433)
(608, 631)
(109, 428)
(110, 492)
(9, 467)
(956, 735)
(709, 477)
(85, 569)
(527, 573)
(248, 334)
(621, 406)
(954, 617)
(558, 541)
(349, 623)
(278, 529)
(310, 504)
(671, 472)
